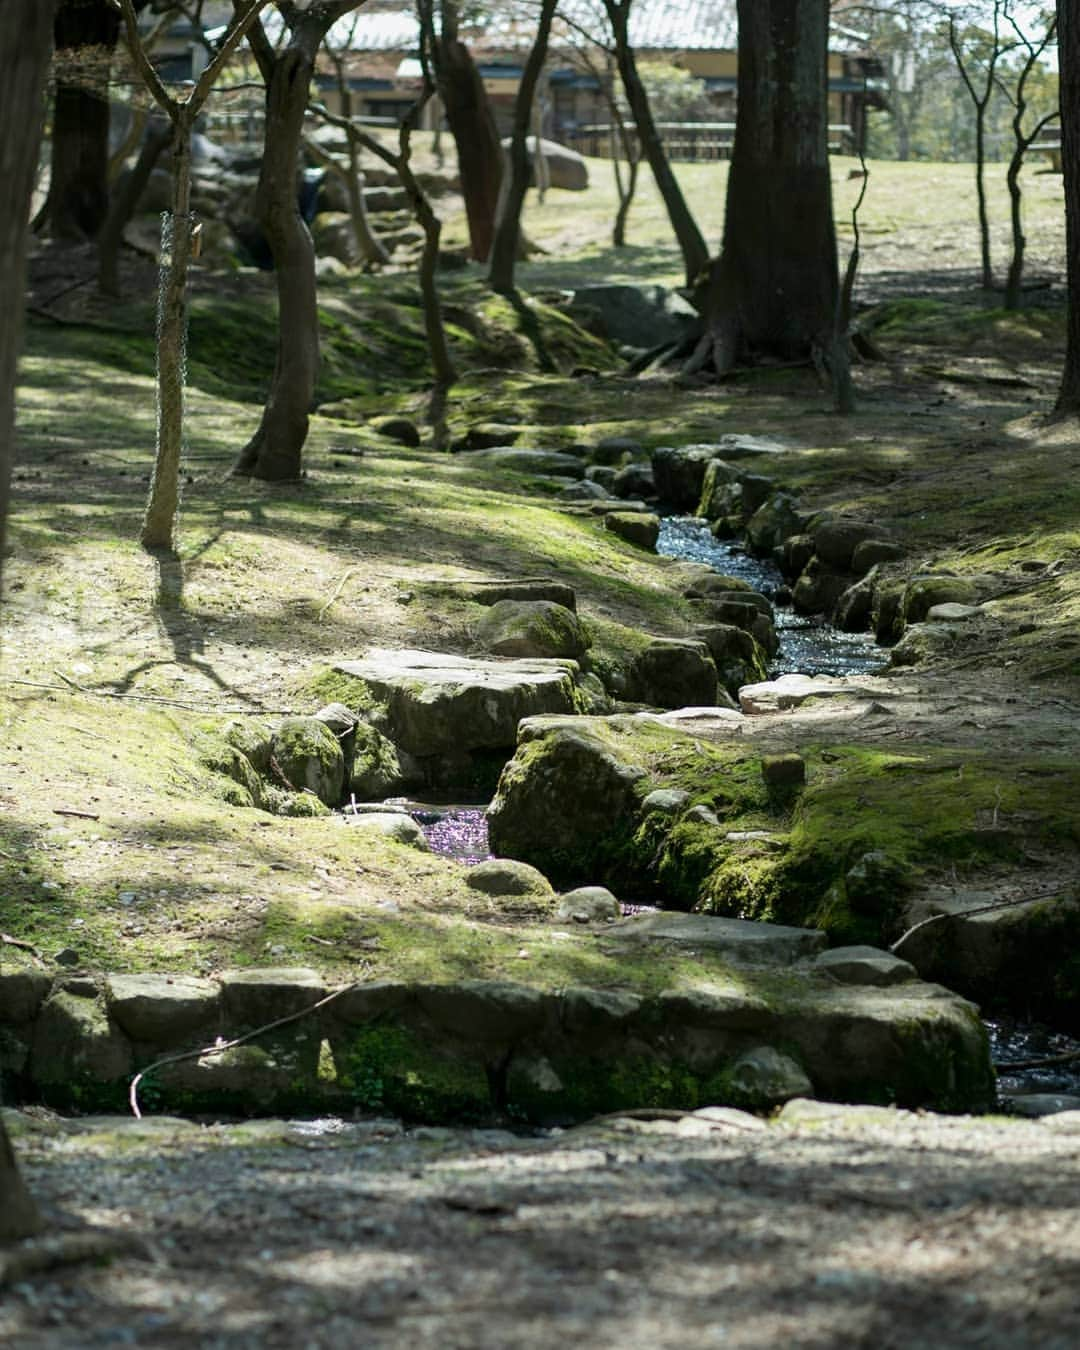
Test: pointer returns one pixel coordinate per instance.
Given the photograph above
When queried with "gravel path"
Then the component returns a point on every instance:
(831, 1226)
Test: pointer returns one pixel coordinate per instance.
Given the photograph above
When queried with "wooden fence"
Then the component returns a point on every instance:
(684, 141)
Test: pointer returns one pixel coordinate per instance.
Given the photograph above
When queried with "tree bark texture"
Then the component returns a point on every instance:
(275, 452)
(368, 246)
(774, 288)
(694, 249)
(78, 200)
(504, 249)
(1069, 65)
(159, 523)
(25, 40)
(472, 124)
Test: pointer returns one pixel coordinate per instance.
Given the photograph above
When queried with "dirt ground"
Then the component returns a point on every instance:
(833, 1226)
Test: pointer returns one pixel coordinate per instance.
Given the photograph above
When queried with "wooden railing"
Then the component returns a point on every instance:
(685, 141)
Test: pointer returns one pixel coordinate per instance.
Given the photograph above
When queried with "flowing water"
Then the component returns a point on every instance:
(809, 646)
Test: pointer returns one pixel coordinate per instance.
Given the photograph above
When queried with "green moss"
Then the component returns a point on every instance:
(392, 1068)
(568, 1088)
(324, 685)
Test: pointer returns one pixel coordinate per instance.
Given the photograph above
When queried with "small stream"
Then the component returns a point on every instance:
(808, 646)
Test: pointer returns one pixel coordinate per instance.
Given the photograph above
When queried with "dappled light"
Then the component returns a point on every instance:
(575, 836)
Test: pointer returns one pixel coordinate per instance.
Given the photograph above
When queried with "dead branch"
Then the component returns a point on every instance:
(10, 941)
(219, 1045)
(971, 913)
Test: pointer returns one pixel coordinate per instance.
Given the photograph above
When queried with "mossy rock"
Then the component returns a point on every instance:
(737, 655)
(309, 757)
(773, 522)
(924, 592)
(539, 628)
(567, 798)
(76, 1049)
(298, 805)
(374, 768)
(253, 738)
(674, 673)
(640, 529)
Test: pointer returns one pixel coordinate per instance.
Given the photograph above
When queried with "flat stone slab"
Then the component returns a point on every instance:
(154, 1007)
(438, 702)
(951, 612)
(693, 719)
(865, 965)
(741, 940)
(791, 691)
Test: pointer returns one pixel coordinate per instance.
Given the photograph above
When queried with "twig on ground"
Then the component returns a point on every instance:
(151, 698)
(10, 941)
(338, 589)
(70, 811)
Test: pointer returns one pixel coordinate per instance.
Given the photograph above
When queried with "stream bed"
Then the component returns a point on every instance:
(808, 645)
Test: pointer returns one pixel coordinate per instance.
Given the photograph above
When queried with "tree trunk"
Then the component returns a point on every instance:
(472, 124)
(1069, 64)
(504, 249)
(1016, 263)
(368, 246)
(980, 193)
(125, 199)
(774, 288)
(159, 523)
(25, 38)
(694, 250)
(275, 452)
(78, 200)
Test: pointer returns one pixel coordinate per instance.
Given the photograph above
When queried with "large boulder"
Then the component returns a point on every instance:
(679, 473)
(673, 673)
(636, 316)
(924, 592)
(566, 169)
(737, 655)
(310, 758)
(775, 520)
(531, 628)
(837, 537)
(566, 798)
(375, 769)
(436, 703)
(1014, 953)
(820, 588)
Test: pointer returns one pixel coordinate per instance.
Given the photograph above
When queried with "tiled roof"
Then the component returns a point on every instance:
(683, 24)
(675, 25)
(655, 25)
